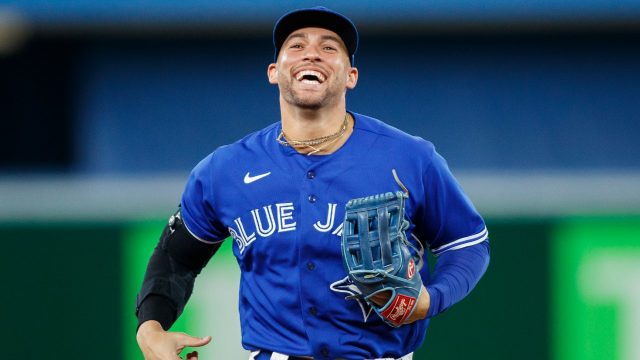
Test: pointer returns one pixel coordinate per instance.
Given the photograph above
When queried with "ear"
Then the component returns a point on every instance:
(352, 78)
(272, 73)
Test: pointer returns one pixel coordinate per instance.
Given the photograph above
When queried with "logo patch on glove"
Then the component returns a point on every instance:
(411, 269)
(398, 311)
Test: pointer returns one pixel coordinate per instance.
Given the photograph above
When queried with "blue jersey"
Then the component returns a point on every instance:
(284, 211)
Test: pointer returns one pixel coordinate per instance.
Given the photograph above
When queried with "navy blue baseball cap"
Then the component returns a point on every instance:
(317, 16)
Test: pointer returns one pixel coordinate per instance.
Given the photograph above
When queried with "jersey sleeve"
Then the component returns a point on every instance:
(450, 220)
(197, 204)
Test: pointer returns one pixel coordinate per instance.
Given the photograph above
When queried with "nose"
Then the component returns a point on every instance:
(312, 53)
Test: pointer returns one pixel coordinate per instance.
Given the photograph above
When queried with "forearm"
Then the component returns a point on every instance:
(456, 273)
(176, 261)
(159, 308)
(165, 291)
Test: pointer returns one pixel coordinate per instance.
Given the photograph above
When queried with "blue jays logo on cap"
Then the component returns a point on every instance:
(316, 17)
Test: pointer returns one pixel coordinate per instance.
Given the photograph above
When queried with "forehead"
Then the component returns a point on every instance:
(315, 32)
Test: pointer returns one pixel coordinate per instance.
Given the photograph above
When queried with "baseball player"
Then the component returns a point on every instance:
(280, 193)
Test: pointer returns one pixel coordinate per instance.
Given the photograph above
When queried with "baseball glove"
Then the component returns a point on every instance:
(376, 254)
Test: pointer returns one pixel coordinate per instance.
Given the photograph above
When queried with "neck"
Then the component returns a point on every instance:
(301, 125)
(305, 124)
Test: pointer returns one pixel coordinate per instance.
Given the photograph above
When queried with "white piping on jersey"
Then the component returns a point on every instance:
(481, 233)
(467, 244)
(198, 238)
(463, 242)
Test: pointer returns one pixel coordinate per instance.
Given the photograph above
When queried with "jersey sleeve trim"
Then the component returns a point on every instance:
(463, 242)
(201, 239)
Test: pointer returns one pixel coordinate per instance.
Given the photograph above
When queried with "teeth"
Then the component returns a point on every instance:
(303, 73)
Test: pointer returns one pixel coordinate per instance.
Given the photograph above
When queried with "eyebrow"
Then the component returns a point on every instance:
(331, 37)
(323, 37)
(295, 35)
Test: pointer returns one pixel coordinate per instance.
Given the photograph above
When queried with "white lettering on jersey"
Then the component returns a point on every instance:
(285, 217)
(331, 214)
(265, 223)
(271, 224)
(338, 230)
(242, 234)
(237, 238)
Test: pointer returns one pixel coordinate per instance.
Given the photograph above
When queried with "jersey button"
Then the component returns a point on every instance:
(311, 265)
(311, 174)
(324, 351)
(313, 311)
(312, 198)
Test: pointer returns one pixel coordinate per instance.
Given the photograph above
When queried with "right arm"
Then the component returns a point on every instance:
(168, 282)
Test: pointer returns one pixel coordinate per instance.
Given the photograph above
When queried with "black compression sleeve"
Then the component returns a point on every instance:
(159, 308)
(176, 261)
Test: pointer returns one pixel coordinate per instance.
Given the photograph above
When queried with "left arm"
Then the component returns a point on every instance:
(456, 273)
(456, 234)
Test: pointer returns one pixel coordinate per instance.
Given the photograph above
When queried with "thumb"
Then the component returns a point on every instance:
(188, 340)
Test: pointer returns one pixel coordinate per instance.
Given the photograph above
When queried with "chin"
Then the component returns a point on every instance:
(309, 106)
(307, 102)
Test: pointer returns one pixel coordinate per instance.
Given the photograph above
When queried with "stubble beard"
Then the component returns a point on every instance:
(310, 102)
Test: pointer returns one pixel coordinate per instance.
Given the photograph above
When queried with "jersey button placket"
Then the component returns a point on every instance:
(314, 210)
(311, 174)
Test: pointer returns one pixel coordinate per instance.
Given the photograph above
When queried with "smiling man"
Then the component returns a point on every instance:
(288, 195)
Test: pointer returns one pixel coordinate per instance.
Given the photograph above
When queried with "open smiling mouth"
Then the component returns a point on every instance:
(310, 77)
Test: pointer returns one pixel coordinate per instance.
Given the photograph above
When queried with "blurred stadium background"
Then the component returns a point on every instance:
(107, 105)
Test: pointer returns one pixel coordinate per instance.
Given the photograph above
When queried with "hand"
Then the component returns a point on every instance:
(158, 344)
(424, 301)
(381, 298)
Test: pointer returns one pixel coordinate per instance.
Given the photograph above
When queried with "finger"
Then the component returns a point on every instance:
(192, 355)
(188, 340)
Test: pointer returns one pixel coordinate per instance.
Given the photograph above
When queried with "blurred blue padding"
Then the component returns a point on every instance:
(487, 102)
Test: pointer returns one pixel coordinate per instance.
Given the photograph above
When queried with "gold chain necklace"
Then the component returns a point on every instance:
(312, 143)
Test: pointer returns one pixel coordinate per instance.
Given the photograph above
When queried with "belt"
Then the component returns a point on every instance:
(269, 355)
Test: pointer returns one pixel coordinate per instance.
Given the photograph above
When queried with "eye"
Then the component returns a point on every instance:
(295, 46)
(329, 48)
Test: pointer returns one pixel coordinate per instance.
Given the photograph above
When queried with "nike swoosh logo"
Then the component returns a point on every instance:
(248, 179)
